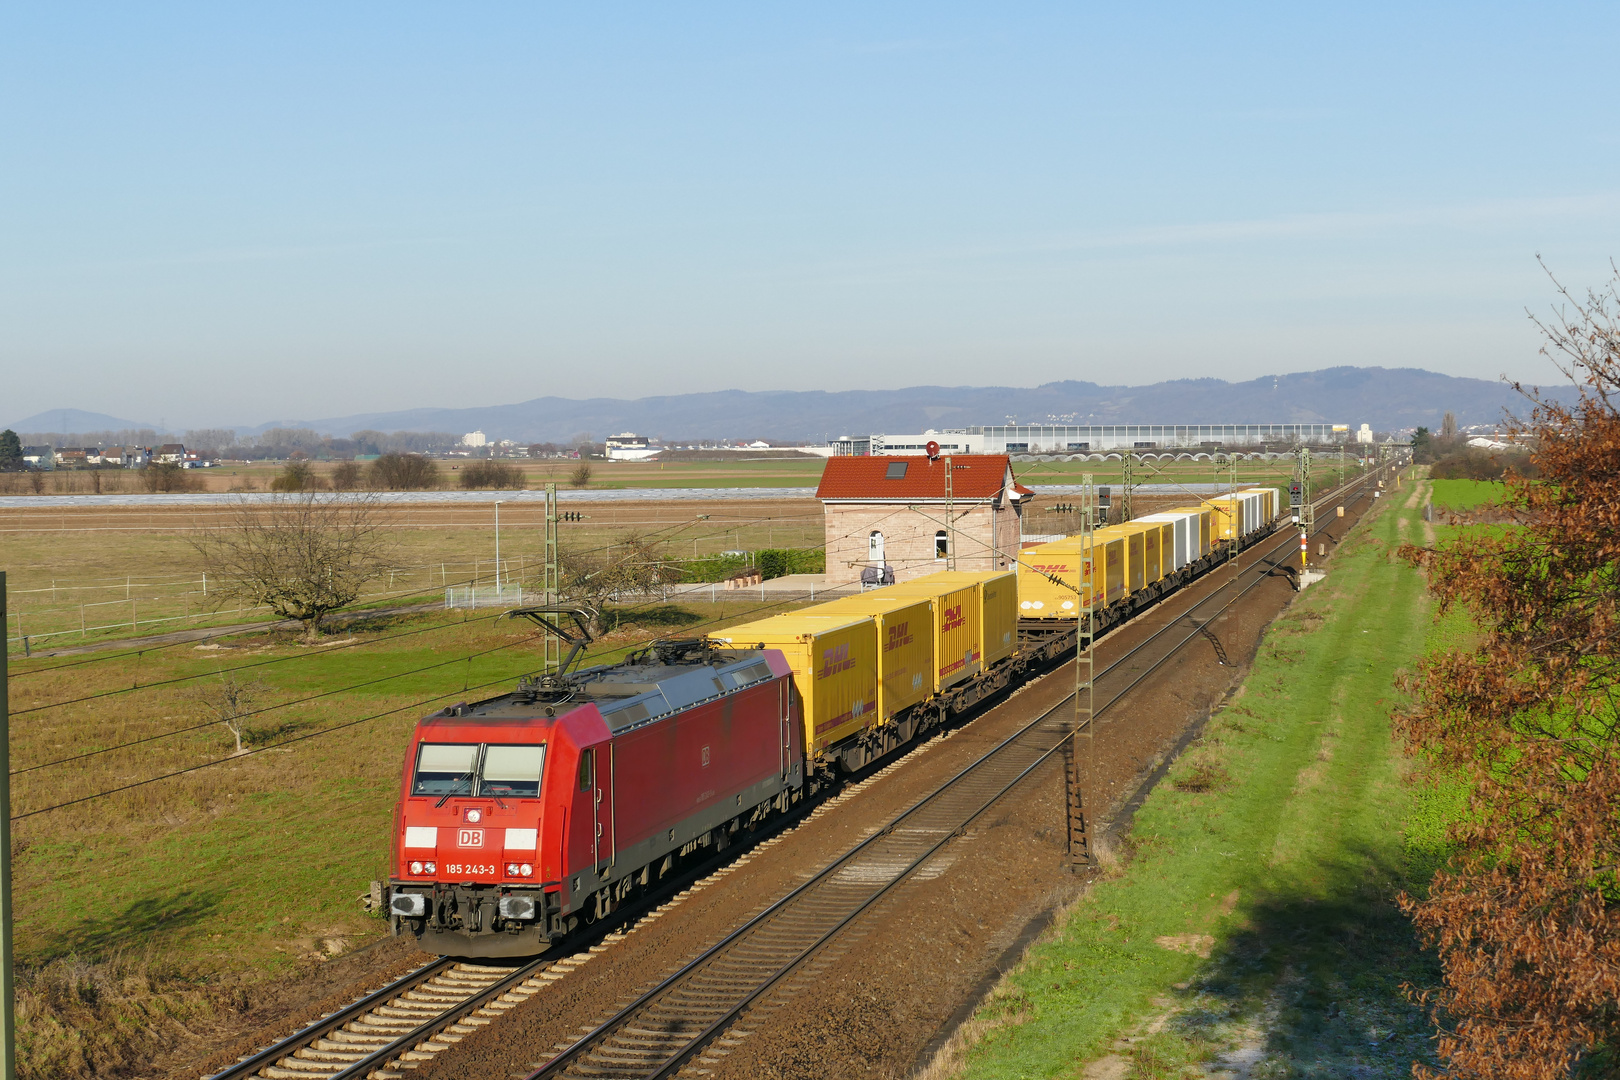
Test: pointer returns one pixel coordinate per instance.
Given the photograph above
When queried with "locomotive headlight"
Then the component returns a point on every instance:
(416, 867)
(526, 870)
(474, 815)
(517, 907)
(511, 869)
(410, 905)
(431, 868)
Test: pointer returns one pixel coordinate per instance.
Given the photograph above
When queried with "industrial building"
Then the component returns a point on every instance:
(1096, 438)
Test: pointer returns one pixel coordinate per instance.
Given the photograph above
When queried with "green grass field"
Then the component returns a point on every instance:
(1465, 494)
(1254, 922)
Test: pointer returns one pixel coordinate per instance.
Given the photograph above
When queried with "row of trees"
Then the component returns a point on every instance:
(407, 472)
(1526, 918)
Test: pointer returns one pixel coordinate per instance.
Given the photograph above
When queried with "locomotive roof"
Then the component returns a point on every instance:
(631, 692)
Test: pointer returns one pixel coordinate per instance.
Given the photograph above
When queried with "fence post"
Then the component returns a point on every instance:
(133, 622)
(205, 583)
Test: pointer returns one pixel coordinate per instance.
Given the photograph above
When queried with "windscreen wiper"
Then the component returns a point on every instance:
(466, 776)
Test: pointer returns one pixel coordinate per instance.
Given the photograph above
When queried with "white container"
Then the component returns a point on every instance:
(1186, 531)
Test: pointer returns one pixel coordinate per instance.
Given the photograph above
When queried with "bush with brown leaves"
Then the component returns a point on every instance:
(1525, 917)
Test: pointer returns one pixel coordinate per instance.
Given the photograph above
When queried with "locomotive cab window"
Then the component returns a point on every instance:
(512, 772)
(587, 763)
(445, 769)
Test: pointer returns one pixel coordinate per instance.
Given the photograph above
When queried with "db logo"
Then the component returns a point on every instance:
(470, 838)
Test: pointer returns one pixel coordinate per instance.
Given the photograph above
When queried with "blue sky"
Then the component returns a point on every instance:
(233, 213)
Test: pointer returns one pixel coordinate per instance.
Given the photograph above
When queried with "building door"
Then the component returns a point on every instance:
(874, 547)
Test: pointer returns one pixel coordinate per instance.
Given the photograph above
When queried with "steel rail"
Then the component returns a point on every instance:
(454, 1015)
(301, 1038)
(696, 1043)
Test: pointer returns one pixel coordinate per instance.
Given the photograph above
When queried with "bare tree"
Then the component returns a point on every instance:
(303, 556)
(630, 566)
(580, 476)
(231, 700)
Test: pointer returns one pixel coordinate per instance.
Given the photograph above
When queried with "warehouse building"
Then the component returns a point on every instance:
(902, 514)
(1098, 438)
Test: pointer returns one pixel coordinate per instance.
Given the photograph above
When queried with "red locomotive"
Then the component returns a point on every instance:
(523, 815)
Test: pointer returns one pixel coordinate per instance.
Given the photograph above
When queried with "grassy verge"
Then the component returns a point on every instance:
(1254, 922)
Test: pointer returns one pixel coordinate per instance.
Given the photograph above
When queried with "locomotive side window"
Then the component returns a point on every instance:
(445, 769)
(587, 763)
(512, 772)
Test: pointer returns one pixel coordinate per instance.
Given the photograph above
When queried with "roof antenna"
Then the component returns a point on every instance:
(932, 449)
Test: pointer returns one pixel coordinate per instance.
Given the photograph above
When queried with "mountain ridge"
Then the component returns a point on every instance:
(1387, 398)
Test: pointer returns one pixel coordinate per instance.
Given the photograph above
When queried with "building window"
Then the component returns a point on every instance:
(896, 470)
(942, 544)
(874, 547)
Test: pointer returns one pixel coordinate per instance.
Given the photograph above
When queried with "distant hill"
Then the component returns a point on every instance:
(75, 420)
(1387, 398)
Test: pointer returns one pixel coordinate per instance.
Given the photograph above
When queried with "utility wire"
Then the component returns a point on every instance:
(268, 708)
(322, 731)
(327, 651)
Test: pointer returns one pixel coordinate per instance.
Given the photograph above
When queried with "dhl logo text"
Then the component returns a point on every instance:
(953, 619)
(834, 660)
(899, 637)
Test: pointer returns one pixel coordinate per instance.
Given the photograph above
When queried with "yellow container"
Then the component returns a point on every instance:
(958, 624)
(998, 609)
(1224, 511)
(1039, 597)
(1158, 549)
(905, 634)
(834, 663)
(1131, 536)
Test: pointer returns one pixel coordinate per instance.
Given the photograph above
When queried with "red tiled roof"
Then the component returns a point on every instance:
(974, 476)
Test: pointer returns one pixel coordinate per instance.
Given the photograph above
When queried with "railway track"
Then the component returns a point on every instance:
(385, 1032)
(660, 1032)
(408, 1020)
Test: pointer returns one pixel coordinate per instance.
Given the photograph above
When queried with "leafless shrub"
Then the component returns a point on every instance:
(231, 701)
(346, 476)
(298, 475)
(166, 476)
(489, 473)
(580, 476)
(402, 472)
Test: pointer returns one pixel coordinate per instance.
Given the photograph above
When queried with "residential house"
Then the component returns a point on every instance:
(905, 512)
(39, 457)
(170, 454)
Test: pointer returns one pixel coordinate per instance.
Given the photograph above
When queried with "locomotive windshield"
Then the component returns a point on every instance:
(512, 771)
(493, 771)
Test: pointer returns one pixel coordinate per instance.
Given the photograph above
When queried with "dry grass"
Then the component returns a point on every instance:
(111, 1017)
(73, 569)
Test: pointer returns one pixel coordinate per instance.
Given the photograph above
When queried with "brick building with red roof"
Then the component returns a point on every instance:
(890, 510)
